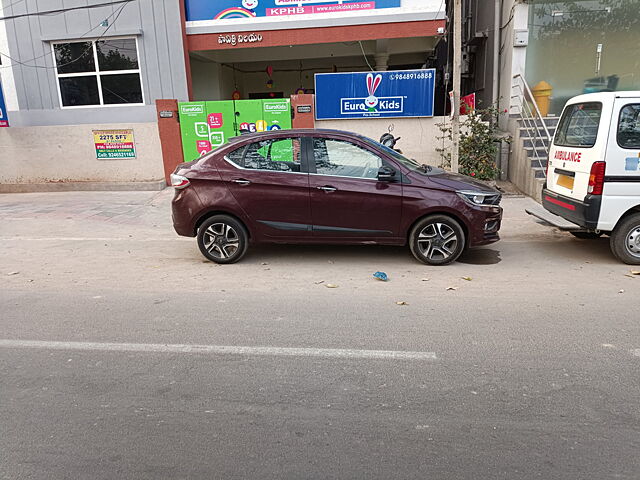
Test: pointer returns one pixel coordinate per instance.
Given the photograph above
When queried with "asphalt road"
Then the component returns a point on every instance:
(152, 364)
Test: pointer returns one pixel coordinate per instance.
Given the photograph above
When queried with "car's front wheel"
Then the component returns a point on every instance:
(437, 240)
(223, 239)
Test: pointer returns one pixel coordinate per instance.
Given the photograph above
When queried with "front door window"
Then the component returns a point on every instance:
(344, 159)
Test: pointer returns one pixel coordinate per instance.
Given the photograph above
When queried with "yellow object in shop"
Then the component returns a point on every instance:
(542, 95)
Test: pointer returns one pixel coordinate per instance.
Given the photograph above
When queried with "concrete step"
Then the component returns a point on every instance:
(539, 172)
(536, 152)
(538, 142)
(531, 132)
(548, 121)
(542, 163)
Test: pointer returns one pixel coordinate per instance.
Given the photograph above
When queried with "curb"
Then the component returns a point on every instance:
(156, 185)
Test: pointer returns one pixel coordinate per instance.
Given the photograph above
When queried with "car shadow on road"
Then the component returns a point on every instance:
(358, 254)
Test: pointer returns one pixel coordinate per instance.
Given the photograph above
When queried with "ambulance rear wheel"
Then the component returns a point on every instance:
(625, 240)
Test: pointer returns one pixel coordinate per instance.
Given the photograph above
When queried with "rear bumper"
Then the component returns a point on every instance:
(183, 208)
(585, 214)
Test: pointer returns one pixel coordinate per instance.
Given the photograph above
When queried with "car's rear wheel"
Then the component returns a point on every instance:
(625, 240)
(437, 240)
(586, 235)
(223, 239)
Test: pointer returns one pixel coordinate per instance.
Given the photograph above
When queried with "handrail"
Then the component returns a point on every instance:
(532, 121)
(526, 86)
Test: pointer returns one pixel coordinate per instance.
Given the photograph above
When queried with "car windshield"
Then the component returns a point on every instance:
(410, 163)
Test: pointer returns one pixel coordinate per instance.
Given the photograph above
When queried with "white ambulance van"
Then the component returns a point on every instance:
(593, 174)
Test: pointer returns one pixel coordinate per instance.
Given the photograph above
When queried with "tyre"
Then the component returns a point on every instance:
(625, 240)
(586, 235)
(223, 239)
(437, 240)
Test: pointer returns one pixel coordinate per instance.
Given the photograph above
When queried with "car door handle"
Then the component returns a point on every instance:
(327, 189)
(242, 182)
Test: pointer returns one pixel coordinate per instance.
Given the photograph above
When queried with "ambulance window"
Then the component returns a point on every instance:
(578, 126)
(629, 127)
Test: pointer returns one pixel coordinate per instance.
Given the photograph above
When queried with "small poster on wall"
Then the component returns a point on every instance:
(4, 120)
(114, 144)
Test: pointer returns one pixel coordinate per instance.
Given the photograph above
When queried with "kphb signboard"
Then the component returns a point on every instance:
(402, 93)
(248, 9)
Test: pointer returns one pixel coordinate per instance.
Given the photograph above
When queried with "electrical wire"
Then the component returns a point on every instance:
(62, 10)
(365, 56)
(49, 52)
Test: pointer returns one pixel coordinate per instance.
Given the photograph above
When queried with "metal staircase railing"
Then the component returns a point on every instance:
(531, 119)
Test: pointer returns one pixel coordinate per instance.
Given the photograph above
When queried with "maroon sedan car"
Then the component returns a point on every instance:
(328, 187)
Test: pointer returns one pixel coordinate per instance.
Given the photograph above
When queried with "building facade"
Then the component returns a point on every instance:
(75, 72)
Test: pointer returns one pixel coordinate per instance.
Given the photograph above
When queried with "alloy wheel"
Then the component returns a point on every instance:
(437, 241)
(221, 240)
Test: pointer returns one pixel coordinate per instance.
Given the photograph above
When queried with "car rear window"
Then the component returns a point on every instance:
(578, 126)
(629, 127)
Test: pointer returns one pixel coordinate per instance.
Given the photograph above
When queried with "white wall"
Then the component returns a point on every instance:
(35, 155)
(418, 135)
(512, 59)
(6, 72)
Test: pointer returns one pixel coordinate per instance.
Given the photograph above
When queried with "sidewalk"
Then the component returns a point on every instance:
(125, 240)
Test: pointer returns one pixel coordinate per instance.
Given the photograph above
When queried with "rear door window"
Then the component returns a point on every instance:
(578, 126)
(281, 155)
(629, 127)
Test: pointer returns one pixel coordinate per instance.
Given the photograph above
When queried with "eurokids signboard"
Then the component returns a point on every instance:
(402, 93)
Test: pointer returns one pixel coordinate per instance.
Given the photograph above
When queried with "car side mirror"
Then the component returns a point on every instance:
(386, 174)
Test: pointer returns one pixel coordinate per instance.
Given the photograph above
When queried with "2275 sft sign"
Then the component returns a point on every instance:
(402, 93)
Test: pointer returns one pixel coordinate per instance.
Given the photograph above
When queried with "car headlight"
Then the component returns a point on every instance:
(479, 198)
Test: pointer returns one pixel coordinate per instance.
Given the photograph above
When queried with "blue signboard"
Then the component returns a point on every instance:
(4, 119)
(402, 93)
(225, 9)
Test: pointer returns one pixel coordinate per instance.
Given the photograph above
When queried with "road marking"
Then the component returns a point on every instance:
(221, 350)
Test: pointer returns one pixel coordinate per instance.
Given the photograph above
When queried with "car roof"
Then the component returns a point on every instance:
(601, 96)
(294, 132)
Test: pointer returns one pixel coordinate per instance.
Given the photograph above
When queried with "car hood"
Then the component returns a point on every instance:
(455, 181)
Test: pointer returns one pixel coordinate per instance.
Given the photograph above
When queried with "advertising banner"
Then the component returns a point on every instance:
(247, 9)
(111, 144)
(205, 126)
(402, 93)
(4, 119)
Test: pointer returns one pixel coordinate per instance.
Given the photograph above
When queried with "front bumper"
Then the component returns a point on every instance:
(585, 214)
(485, 226)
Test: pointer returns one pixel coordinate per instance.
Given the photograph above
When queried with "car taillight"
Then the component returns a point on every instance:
(596, 178)
(179, 182)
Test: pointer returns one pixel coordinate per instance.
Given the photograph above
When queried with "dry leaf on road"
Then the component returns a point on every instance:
(331, 285)
(452, 288)
(402, 303)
